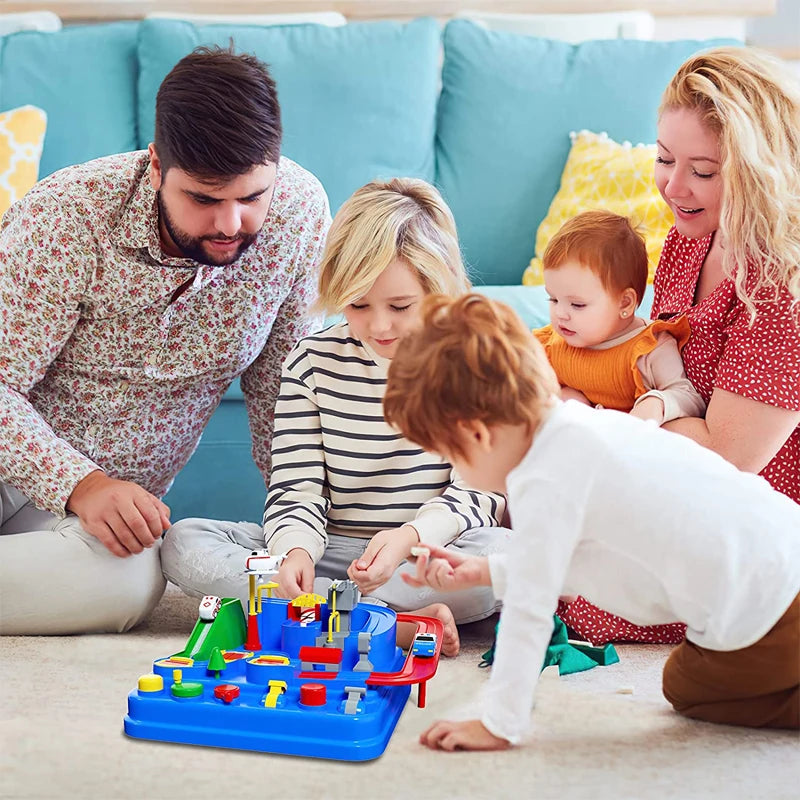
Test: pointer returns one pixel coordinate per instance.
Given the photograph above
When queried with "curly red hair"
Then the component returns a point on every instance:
(608, 245)
(472, 358)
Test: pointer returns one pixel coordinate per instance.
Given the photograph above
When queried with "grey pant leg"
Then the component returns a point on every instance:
(57, 579)
(207, 556)
(469, 605)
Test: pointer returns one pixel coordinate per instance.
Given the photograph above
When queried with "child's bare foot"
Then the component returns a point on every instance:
(451, 644)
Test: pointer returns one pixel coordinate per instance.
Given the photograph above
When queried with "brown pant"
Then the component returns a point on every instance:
(758, 686)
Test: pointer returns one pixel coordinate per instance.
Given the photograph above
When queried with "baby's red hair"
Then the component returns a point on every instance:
(605, 243)
(471, 359)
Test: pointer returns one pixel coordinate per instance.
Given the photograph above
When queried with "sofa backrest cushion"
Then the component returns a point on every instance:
(358, 102)
(84, 78)
(507, 106)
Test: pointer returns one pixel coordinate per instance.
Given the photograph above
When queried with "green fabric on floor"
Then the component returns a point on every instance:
(569, 657)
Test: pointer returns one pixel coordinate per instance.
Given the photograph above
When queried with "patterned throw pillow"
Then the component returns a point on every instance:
(603, 174)
(21, 140)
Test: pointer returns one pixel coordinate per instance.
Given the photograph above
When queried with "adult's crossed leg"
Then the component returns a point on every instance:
(58, 579)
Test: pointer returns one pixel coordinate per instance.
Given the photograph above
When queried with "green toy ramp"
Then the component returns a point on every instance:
(227, 631)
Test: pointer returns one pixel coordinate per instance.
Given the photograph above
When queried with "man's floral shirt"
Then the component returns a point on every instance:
(100, 367)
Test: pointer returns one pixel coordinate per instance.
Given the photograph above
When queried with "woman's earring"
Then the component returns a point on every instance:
(624, 313)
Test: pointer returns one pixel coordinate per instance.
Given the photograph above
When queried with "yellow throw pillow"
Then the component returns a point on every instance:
(21, 141)
(603, 174)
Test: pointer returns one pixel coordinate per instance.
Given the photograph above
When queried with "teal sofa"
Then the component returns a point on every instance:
(485, 116)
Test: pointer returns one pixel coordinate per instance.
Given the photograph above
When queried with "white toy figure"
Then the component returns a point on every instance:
(260, 562)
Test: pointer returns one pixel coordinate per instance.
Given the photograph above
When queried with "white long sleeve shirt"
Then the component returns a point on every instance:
(338, 467)
(644, 523)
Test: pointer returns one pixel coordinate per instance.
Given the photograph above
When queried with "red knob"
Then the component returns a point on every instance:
(226, 692)
(312, 694)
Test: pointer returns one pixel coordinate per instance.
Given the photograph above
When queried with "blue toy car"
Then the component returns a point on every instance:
(424, 645)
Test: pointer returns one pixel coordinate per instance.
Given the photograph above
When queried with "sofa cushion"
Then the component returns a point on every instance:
(358, 102)
(507, 107)
(84, 78)
(603, 174)
(21, 137)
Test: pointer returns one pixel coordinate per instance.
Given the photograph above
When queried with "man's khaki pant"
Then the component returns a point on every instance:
(758, 686)
(55, 578)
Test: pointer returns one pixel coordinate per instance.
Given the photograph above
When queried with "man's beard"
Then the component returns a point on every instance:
(192, 246)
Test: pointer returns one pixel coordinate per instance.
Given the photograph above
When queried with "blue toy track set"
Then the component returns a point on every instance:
(311, 677)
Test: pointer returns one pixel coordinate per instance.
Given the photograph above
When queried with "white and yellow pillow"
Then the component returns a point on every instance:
(603, 174)
(21, 140)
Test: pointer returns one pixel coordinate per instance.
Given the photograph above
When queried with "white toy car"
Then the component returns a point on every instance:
(260, 562)
(209, 607)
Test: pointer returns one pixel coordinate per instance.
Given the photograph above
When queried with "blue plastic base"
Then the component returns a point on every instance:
(291, 728)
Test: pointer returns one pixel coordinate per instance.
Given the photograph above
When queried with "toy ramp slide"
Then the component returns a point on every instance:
(227, 631)
(415, 670)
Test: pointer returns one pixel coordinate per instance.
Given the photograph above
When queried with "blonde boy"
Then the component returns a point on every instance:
(348, 497)
(604, 505)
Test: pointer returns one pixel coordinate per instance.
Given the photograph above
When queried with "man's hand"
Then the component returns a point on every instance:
(120, 514)
(383, 555)
(469, 735)
(296, 574)
(449, 571)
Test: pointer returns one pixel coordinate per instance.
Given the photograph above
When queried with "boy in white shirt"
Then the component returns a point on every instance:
(640, 521)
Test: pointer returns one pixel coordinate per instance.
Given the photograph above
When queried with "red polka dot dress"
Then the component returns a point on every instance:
(599, 627)
(761, 362)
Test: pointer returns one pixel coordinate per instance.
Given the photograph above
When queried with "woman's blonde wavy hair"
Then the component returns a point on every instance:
(400, 218)
(752, 103)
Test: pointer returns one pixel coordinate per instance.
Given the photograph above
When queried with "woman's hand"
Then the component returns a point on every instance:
(746, 432)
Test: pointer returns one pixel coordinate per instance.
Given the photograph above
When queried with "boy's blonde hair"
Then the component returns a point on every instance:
(400, 218)
(752, 103)
(471, 359)
(605, 243)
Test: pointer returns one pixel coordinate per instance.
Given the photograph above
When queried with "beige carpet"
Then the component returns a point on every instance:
(62, 701)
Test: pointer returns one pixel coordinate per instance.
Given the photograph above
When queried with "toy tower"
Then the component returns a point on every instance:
(258, 563)
(343, 597)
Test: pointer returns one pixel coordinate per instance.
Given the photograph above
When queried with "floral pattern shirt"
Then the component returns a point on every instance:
(102, 364)
(759, 360)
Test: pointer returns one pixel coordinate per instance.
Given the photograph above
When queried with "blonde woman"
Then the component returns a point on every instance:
(729, 167)
(348, 495)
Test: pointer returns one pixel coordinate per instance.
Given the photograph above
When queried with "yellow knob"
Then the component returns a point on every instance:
(151, 683)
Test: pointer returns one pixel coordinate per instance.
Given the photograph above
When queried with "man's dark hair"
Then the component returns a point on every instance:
(217, 115)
